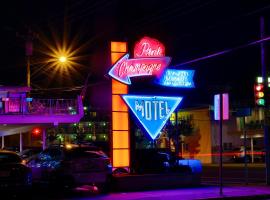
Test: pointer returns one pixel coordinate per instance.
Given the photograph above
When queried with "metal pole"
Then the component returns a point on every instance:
(266, 115)
(28, 72)
(252, 149)
(177, 138)
(245, 150)
(220, 145)
(3, 142)
(43, 138)
(21, 142)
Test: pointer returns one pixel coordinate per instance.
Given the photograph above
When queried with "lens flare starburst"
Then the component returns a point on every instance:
(60, 59)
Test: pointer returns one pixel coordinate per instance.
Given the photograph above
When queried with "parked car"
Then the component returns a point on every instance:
(12, 148)
(151, 161)
(28, 154)
(72, 166)
(155, 161)
(239, 155)
(13, 173)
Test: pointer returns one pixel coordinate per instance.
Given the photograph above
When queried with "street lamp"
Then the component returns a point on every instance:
(63, 59)
(59, 59)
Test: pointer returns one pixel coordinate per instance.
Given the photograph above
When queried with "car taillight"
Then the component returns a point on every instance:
(24, 162)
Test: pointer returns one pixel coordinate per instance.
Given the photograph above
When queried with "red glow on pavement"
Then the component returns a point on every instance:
(223, 154)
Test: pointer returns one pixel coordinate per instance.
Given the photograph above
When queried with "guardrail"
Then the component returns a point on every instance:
(31, 106)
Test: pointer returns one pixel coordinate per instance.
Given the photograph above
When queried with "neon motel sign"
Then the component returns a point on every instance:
(149, 59)
(152, 111)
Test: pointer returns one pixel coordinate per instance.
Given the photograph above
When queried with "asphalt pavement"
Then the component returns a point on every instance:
(234, 187)
(234, 174)
(184, 193)
(194, 193)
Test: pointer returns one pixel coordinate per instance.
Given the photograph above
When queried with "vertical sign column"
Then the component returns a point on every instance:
(120, 119)
(221, 112)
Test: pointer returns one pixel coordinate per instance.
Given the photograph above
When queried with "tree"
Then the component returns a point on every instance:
(54, 133)
(181, 127)
(80, 134)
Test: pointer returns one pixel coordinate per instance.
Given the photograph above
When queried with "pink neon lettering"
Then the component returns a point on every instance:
(149, 47)
(147, 51)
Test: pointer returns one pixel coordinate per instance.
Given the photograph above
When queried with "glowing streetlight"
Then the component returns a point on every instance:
(62, 59)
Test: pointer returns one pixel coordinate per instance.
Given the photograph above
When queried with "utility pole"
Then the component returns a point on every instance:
(28, 38)
(266, 111)
(28, 54)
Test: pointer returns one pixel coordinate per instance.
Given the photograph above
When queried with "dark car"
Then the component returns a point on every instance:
(71, 166)
(13, 173)
(28, 154)
(12, 148)
(151, 161)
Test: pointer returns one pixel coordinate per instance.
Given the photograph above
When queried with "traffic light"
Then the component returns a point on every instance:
(259, 92)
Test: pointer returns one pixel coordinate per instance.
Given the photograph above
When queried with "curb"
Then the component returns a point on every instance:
(255, 197)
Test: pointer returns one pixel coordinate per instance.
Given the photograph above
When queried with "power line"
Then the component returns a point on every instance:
(69, 88)
(223, 52)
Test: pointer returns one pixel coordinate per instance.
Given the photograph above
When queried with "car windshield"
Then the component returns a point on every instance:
(164, 156)
(49, 154)
(83, 152)
(9, 158)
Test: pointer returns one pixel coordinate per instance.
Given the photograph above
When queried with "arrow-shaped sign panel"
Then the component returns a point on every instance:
(125, 68)
(177, 78)
(152, 111)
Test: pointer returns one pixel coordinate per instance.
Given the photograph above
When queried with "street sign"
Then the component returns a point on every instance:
(225, 106)
(242, 112)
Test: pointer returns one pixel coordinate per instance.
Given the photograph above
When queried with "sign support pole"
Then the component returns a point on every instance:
(245, 150)
(220, 145)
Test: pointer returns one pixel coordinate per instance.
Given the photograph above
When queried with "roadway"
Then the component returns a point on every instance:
(234, 184)
(234, 174)
(187, 193)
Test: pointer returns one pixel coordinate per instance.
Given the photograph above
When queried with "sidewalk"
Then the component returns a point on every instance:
(205, 192)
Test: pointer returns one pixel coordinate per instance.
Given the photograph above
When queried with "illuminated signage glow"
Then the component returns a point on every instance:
(126, 68)
(149, 47)
(152, 111)
(225, 106)
(177, 78)
(120, 153)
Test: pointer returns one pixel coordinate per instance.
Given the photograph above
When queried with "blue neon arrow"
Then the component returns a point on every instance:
(152, 111)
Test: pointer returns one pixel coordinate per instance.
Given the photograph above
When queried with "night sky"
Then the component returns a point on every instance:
(189, 29)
